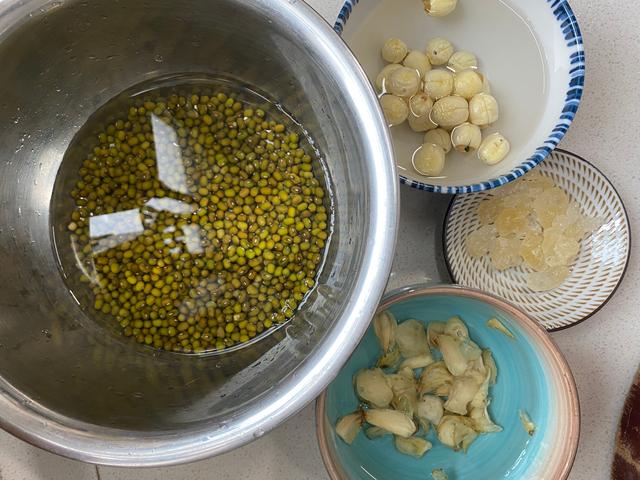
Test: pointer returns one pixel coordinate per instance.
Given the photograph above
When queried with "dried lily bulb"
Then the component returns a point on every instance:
(461, 60)
(440, 137)
(418, 61)
(400, 403)
(406, 403)
(457, 353)
(477, 370)
(384, 325)
(528, 425)
(406, 372)
(414, 446)
(383, 77)
(349, 426)
(499, 326)
(434, 329)
(456, 432)
(419, 361)
(463, 390)
(375, 432)
(482, 375)
(405, 392)
(373, 388)
(430, 411)
(482, 422)
(438, 474)
(451, 353)
(437, 379)
(394, 50)
(446, 431)
(439, 50)
(412, 339)
(456, 328)
(490, 364)
(389, 359)
(405, 396)
(392, 421)
(481, 399)
(470, 350)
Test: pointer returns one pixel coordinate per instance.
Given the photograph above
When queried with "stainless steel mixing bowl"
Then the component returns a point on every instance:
(69, 385)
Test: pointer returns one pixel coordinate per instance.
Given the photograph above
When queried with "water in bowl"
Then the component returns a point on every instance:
(508, 53)
(191, 214)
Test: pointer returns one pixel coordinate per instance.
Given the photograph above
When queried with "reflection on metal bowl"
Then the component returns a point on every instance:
(69, 385)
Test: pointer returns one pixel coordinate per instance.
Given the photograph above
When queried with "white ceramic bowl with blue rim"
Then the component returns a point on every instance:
(530, 50)
(533, 376)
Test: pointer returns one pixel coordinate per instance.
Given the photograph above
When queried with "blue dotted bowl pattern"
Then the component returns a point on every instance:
(596, 273)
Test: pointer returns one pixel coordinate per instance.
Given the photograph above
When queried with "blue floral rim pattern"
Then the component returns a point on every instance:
(573, 37)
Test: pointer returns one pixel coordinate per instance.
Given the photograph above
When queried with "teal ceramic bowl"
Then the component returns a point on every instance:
(533, 376)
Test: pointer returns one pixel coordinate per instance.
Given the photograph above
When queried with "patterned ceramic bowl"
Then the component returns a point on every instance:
(532, 53)
(597, 272)
(532, 376)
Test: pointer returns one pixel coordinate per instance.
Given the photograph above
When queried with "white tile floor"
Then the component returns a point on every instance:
(20, 461)
(289, 452)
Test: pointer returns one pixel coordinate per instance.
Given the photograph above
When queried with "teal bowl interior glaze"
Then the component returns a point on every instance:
(523, 384)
